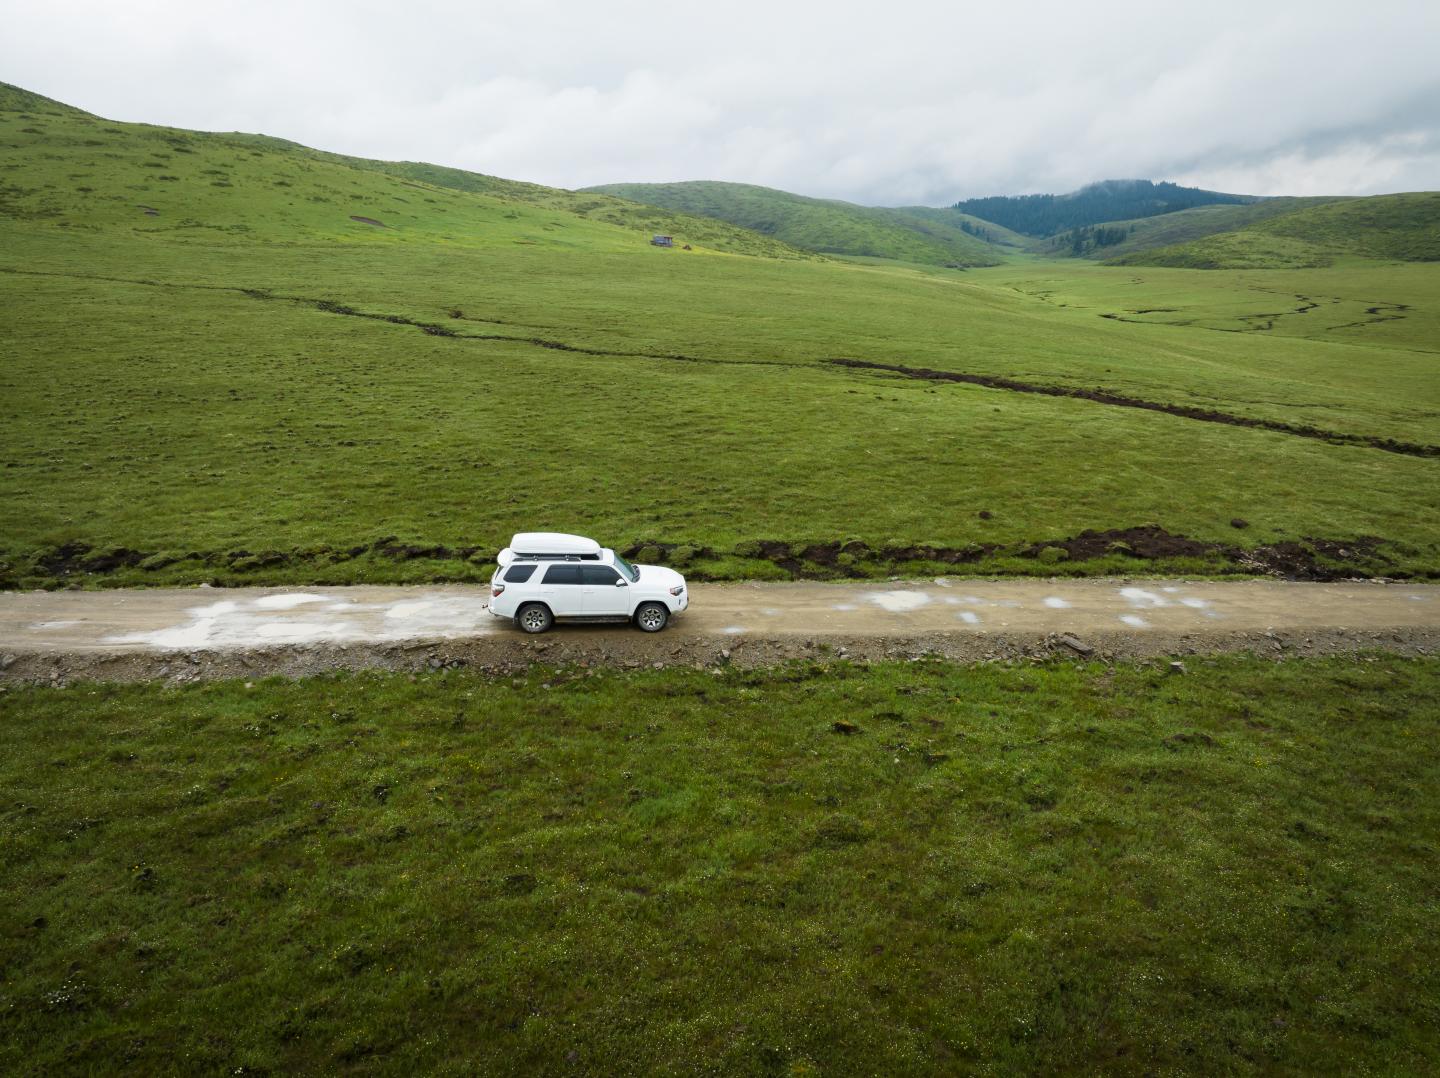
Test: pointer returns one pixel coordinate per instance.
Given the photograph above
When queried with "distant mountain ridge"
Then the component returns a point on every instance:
(1096, 203)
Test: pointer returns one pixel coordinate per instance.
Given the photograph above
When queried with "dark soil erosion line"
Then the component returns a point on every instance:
(1119, 550)
(1100, 396)
(1306, 559)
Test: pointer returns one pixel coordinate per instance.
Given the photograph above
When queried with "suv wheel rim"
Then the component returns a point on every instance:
(534, 619)
(651, 619)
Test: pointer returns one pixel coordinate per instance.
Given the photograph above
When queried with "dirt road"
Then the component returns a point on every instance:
(203, 632)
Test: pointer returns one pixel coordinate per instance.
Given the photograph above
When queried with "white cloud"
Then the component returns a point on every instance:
(910, 102)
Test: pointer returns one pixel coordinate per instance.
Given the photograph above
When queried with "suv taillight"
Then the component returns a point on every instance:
(677, 589)
(496, 590)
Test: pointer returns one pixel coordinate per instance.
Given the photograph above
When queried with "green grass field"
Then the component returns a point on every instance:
(1038, 870)
(185, 397)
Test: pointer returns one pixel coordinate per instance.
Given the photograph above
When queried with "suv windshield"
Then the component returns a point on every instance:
(631, 573)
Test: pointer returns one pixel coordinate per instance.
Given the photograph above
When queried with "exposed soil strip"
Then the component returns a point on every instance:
(1137, 549)
(1305, 559)
(1101, 396)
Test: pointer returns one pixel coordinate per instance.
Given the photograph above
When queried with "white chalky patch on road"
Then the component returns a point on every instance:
(233, 624)
(1134, 621)
(443, 616)
(195, 634)
(846, 606)
(287, 602)
(942, 581)
(1170, 590)
(899, 602)
(770, 612)
(1195, 604)
(1054, 602)
(1419, 598)
(417, 608)
(41, 626)
(733, 630)
(1141, 597)
(303, 632)
(969, 617)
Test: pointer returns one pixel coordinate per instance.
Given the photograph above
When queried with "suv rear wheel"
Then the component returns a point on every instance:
(652, 617)
(534, 618)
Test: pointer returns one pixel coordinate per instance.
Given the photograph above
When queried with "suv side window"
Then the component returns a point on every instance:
(518, 574)
(599, 574)
(562, 574)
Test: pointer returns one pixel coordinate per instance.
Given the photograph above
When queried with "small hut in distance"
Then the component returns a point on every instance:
(662, 241)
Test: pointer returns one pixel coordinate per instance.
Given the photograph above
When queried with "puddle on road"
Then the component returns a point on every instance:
(969, 617)
(288, 601)
(231, 623)
(1142, 598)
(304, 632)
(1134, 621)
(899, 602)
(1054, 602)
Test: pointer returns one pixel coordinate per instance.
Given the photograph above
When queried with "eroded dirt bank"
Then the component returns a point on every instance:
(196, 633)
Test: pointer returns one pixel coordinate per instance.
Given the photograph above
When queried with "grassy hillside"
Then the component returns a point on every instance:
(686, 228)
(1183, 226)
(1047, 870)
(76, 171)
(1384, 227)
(250, 386)
(823, 225)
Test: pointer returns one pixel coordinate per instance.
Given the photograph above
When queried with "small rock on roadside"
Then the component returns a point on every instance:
(1077, 645)
(844, 726)
(1176, 668)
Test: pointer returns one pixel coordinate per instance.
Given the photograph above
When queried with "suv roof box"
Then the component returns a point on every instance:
(548, 545)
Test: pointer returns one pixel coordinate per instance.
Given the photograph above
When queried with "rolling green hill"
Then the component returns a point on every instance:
(1403, 228)
(77, 171)
(934, 237)
(1183, 226)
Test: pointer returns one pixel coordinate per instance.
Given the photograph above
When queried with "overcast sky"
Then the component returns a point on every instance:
(882, 103)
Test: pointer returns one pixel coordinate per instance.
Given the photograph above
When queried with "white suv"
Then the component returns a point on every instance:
(545, 577)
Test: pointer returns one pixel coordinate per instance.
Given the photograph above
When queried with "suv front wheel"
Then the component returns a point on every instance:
(534, 618)
(652, 617)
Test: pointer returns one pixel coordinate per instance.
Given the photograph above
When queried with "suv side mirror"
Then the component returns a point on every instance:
(621, 584)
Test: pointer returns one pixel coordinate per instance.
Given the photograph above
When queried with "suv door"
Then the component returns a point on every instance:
(561, 590)
(601, 593)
